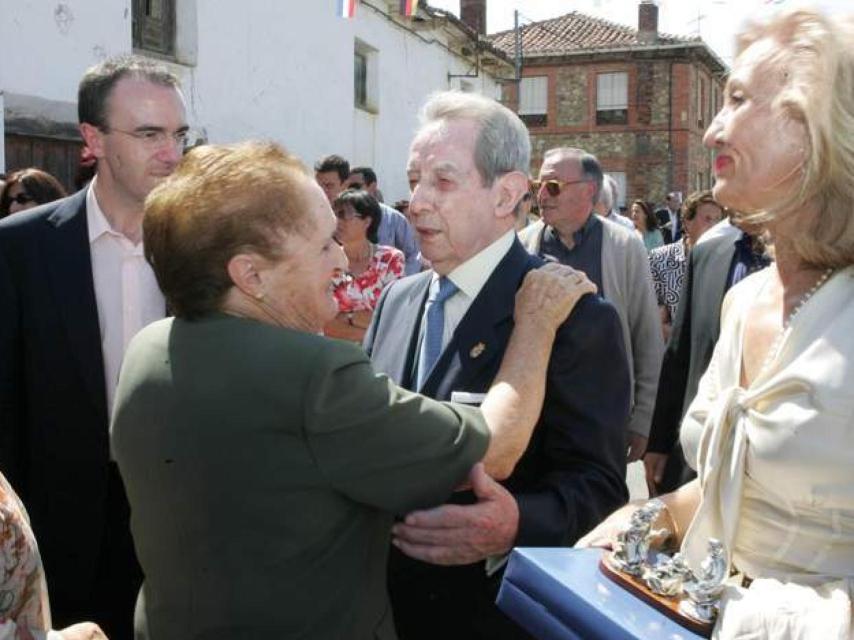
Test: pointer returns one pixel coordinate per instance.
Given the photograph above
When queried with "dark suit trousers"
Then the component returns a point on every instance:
(447, 603)
(118, 577)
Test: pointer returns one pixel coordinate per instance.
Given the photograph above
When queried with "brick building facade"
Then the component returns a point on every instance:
(639, 100)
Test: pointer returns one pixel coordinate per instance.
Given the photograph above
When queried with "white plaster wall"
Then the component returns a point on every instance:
(285, 71)
(45, 46)
(265, 69)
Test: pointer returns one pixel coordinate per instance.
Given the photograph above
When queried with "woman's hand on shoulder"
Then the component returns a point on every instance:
(549, 294)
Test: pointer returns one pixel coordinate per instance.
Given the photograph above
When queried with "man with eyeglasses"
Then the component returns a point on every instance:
(614, 258)
(75, 288)
(442, 333)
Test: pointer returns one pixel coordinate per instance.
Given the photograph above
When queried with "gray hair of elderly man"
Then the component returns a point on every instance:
(590, 167)
(608, 192)
(503, 144)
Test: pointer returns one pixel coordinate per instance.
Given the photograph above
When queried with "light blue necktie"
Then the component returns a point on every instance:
(431, 345)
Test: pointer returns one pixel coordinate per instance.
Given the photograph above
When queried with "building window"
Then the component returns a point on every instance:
(612, 98)
(154, 26)
(360, 79)
(365, 77)
(701, 102)
(534, 100)
(713, 101)
(620, 178)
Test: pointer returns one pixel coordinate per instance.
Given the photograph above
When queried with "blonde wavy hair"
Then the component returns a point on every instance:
(816, 56)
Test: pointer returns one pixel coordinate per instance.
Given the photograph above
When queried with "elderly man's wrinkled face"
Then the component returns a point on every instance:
(759, 149)
(299, 287)
(453, 212)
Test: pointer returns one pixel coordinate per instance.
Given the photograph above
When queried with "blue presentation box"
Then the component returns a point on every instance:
(560, 594)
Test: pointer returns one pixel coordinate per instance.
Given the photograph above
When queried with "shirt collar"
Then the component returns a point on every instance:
(95, 218)
(472, 274)
(581, 234)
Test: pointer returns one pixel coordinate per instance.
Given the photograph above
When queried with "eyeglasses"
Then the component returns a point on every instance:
(158, 138)
(346, 214)
(554, 187)
(22, 198)
(355, 186)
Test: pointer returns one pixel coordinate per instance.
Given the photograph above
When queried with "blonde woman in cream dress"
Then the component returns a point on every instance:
(771, 430)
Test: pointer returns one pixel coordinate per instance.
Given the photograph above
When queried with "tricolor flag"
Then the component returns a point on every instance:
(346, 8)
(408, 8)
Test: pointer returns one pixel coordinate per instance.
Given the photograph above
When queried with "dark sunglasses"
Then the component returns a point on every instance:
(356, 186)
(554, 187)
(22, 198)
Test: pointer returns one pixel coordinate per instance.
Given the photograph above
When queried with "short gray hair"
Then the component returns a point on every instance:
(608, 192)
(590, 167)
(502, 145)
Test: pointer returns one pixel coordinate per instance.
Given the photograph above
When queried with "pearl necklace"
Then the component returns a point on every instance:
(774, 351)
(824, 277)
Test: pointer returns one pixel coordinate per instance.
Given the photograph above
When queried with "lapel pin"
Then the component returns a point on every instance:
(477, 349)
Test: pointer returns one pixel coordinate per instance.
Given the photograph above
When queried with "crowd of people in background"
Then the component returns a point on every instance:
(185, 453)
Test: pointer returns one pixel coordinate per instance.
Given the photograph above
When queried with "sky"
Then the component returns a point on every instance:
(717, 24)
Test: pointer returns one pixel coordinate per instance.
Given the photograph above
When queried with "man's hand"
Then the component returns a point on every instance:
(654, 464)
(636, 447)
(461, 534)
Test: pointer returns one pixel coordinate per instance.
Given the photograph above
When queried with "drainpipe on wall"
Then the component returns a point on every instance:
(517, 37)
(669, 186)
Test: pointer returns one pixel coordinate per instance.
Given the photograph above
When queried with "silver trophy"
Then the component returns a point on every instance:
(704, 588)
(698, 593)
(631, 550)
(668, 575)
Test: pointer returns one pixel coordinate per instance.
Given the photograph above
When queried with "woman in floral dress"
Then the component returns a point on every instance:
(24, 608)
(371, 266)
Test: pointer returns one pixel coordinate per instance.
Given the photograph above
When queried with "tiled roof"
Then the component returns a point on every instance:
(575, 32)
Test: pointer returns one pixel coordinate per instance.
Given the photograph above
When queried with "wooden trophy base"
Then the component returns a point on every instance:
(669, 606)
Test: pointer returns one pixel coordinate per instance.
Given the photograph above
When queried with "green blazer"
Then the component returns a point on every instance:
(263, 466)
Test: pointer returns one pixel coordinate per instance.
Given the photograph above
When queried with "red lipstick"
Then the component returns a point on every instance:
(721, 162)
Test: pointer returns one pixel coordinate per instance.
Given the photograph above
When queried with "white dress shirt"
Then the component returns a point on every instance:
(126, 290)
(469, 278)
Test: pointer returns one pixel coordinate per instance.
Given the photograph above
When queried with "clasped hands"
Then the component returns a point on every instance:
(462, 534)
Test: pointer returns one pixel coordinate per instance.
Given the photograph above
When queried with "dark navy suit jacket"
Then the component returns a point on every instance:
(54, 443)
(573, 473)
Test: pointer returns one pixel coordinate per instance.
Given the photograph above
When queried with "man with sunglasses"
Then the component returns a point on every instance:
(75, 288)
(614, 258)
(443, 332)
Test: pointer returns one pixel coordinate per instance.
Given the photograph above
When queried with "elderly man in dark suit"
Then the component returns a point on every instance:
(443, 332)
(75, 288)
